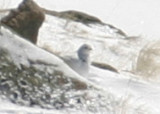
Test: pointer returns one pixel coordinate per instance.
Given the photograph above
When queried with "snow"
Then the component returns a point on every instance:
(134, 17)
(68, 36)
(126, 84)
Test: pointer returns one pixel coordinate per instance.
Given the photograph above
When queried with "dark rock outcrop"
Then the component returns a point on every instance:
(25, 20)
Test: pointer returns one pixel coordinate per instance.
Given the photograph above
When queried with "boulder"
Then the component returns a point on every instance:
(25, 20)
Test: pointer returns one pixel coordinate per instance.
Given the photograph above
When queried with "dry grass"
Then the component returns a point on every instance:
(129, 106)
(148, 61)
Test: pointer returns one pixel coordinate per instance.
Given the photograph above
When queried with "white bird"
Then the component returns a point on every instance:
(82, 63)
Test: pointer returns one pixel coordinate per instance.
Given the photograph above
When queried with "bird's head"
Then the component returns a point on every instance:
(84, 52)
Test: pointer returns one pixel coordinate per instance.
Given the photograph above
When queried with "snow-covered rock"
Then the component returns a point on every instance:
(31, 74)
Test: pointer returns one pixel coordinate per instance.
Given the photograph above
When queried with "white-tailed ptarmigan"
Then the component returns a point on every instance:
(82, 63)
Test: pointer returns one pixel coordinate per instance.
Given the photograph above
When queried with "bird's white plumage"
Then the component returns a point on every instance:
(80, 64)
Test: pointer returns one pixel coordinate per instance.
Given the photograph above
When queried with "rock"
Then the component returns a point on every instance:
(74, 16)
(25, 20)
(104, 66)
(82, 18)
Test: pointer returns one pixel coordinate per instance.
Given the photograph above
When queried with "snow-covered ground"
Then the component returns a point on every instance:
(138, 17)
